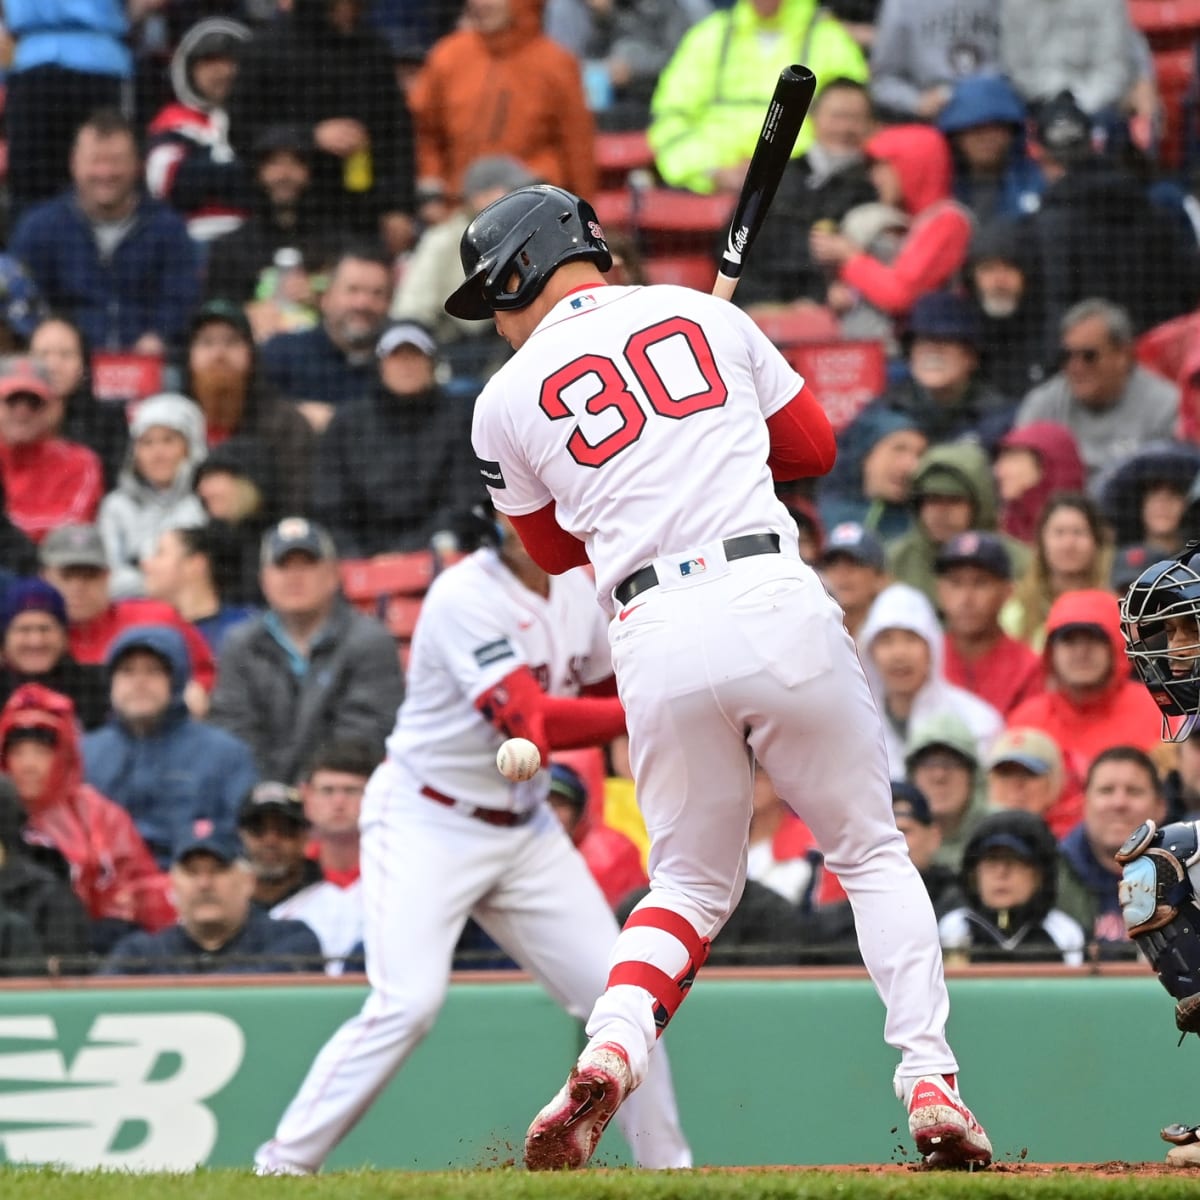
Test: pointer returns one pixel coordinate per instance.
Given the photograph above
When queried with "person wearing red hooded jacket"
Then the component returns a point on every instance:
(913, 167)
(612, 859)
(1090, 703)
(1032, 463)
(112, 871)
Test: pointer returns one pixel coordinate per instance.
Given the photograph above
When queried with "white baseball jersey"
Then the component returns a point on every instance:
(478, 624)
(580, 412)
(333, 913)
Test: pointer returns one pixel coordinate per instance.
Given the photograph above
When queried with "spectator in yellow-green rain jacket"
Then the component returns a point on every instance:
(708, 107)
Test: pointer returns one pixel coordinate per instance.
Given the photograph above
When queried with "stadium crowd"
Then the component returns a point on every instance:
(235, 432)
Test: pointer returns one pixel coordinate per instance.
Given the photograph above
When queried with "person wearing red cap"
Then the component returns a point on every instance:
(974, 581)
(47, 481)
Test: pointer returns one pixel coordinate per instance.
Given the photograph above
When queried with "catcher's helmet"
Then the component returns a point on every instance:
(530, 233)
(1167, 589)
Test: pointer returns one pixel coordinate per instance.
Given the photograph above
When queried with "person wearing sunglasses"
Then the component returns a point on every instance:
(1112, 405)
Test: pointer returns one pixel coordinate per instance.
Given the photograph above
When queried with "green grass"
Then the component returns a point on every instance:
(507, 1184)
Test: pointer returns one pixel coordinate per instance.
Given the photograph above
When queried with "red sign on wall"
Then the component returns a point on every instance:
(844, 376)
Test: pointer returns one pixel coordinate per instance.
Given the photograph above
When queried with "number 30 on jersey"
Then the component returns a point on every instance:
(613, 392)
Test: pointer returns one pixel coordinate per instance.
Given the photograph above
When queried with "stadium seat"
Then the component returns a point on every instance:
(371, 584)
(1166, 22)
(670, 211)
(619, 153)
(400, 616)
(615, 209)
(391, 588)
(687, 270)
(797, 324)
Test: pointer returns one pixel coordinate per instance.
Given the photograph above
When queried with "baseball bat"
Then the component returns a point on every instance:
(785, 114)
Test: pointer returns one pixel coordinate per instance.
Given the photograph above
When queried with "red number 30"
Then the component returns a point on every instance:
(613, 392)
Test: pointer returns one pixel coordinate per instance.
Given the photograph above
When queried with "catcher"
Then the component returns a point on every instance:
(1160, 884)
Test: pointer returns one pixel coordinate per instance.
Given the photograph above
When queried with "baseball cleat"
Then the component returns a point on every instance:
(946, 1133)
(565, 1134)
(1186, 1142)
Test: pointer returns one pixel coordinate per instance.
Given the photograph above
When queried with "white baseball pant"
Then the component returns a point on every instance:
(425, 869)
(752, 657)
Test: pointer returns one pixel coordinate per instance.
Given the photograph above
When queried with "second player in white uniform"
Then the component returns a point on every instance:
(446, 837)
(640, 428)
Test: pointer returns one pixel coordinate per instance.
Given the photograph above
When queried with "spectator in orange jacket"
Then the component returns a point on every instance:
(912, 167)
(612, 859)
(1090, 703)
(111, 870)
(500, 86)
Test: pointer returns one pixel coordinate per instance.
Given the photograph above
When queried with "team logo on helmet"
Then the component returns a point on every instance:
(595, 230)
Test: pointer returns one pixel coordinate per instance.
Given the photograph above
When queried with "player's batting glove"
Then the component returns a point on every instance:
(1187, 1014)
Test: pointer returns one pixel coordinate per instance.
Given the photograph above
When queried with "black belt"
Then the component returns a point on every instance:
(489, 816)
(746, 546)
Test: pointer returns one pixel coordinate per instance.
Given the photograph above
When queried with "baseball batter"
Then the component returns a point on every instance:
(500, 650)
(640, 428)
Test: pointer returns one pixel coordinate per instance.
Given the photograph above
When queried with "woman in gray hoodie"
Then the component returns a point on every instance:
(168, 441)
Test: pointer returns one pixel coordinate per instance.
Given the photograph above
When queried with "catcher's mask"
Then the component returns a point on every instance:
(528, 234)
(1167, 658)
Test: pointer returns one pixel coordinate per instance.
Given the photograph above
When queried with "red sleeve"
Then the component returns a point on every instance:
(802, 439)
(138, 890)
(519, 708)
(602, 687)
(932, 252)
(549, 545)
(204, 665)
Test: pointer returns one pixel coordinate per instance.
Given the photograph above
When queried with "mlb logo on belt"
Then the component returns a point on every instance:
(693, 566)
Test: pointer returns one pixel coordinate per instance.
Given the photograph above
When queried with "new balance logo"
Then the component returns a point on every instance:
(132, 1096)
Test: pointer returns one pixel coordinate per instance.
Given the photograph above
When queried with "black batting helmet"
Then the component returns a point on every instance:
(528, 233)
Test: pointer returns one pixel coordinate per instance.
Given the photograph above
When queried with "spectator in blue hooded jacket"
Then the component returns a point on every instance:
(171, 773)
(119, 265)
(945, 392)
(994, 173)
(878, 453)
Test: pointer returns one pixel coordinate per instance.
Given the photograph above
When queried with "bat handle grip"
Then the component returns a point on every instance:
(725, 285)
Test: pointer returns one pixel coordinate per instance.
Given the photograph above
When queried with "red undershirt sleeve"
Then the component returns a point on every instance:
(802, 439)
(519, 708)
(549, 545)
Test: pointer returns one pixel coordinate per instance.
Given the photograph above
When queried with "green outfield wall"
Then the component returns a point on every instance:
(786, 1070)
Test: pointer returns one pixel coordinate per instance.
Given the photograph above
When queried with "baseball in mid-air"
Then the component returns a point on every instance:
(518, 759)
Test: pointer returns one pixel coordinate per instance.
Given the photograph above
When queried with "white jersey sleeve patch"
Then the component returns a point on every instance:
(475, 643)
(503, 466)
